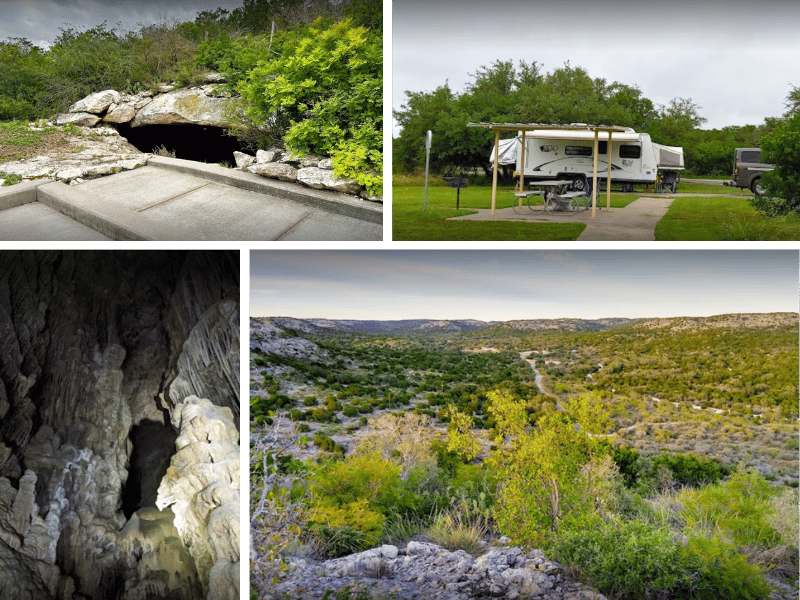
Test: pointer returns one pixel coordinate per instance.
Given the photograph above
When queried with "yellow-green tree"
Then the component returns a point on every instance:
(548, 471)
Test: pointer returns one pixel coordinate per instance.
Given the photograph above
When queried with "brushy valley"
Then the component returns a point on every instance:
(652, 458)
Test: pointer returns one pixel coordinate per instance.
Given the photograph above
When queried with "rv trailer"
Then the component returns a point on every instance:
(567, 154)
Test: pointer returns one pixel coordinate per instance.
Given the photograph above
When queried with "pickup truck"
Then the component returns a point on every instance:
(747, 170)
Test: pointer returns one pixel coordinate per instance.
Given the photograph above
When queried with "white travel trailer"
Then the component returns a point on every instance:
(567, 154)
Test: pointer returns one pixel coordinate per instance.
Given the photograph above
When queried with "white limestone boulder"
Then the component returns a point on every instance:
(120, 114)
(81, 119)
(323, 179)
(280, 171)
(184, 106)
(96, 103)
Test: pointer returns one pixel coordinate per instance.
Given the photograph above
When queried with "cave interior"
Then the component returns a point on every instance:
(89, 342)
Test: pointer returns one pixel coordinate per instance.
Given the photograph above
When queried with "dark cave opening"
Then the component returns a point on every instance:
(153, 446)
(200, 143)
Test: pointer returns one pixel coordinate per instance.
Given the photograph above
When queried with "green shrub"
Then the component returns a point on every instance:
(734, 510)
(781, 147)
(326, 444)
(689, 469)
(721, 572)
(328, 85)
(625, 560)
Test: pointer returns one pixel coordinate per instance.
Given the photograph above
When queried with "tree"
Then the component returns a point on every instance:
(782, 186)
(548, 471)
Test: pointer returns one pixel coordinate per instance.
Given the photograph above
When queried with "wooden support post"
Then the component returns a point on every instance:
(522, 169)
(594, 174)
(608, 179)
(494, 174)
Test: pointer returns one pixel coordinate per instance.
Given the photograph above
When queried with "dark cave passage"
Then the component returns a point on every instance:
(191, 142)
(153, 446)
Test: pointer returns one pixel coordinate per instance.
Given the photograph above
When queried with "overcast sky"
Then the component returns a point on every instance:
(735, 59)
(39, 20)
(507, 285)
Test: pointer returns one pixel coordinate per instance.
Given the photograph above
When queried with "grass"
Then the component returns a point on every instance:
(723, 219)
(18, 141)
(411, 223)
(687, 220)
(451, 530)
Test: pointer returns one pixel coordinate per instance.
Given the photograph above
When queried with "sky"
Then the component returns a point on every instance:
(39, 20)
(503, 285)
(735, 59)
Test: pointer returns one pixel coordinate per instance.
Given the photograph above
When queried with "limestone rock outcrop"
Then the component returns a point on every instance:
(424, 570)
(86, 154)
(187, 105)
(88, 344)
(313, 171)
(96, 103)
(201, 105)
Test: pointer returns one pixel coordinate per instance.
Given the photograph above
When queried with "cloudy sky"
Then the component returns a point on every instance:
(734, 58)
(39, 20)
(506, 285)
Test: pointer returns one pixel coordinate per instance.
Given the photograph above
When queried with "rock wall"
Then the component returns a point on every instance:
(88, 344)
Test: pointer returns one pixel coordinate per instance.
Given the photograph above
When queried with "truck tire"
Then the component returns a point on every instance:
(756, 186)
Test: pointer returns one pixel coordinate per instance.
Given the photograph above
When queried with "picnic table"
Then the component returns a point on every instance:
(555, 196)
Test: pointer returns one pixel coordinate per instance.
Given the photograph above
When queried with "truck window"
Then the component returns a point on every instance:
(630, 151)
(751, 156)
(578, 151)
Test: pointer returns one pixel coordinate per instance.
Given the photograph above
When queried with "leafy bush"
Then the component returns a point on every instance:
(781, 147)
(689, 469)
(721, 572)
(344, 530)
(734, 510)
(625, 560)
(329, 85)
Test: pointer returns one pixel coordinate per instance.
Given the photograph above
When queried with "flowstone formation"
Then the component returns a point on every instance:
(90, 343)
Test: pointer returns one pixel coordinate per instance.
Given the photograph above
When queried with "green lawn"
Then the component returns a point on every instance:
(411, 223)
(728, 219)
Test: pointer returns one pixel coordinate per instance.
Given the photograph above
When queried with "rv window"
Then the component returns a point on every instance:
(578, 151)
(602, 147)
(751, 156)
(630, 151)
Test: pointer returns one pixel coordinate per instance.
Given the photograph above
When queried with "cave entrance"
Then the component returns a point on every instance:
(153, 447)
(201, 143)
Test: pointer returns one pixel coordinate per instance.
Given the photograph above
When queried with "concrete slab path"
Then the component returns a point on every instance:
(176, 200)
(635, 222)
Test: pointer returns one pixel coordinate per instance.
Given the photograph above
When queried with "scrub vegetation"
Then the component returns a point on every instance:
(653, 458)
(315, 85)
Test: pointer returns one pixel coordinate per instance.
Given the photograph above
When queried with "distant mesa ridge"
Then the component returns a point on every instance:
(738, 320)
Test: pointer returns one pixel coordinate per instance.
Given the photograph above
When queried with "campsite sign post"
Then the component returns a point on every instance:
(428, 138)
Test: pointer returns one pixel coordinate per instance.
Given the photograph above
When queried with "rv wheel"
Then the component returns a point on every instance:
(579, 184)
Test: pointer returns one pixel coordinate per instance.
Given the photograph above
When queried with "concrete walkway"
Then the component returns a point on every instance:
(635, 222)
(175, 200)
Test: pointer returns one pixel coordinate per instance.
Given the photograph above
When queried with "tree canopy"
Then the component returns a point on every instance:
(509, 93)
